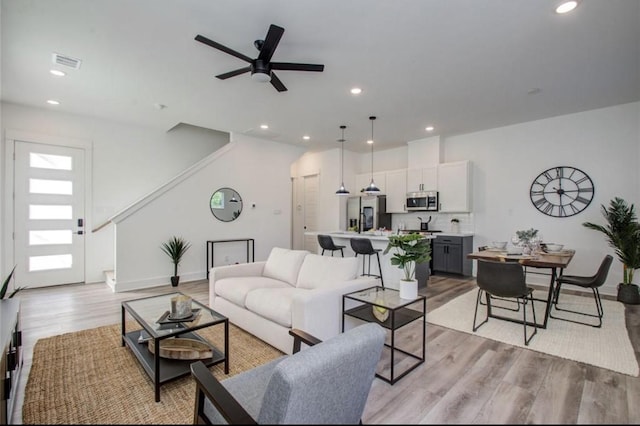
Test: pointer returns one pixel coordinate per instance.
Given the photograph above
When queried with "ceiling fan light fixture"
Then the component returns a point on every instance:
(261, 77)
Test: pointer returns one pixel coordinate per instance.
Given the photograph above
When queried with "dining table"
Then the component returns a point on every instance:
(554, 262)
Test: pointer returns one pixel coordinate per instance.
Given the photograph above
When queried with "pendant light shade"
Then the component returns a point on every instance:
(342, 190)
(372, 189)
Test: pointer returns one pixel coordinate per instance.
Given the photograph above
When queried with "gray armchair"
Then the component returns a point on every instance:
(326, 383)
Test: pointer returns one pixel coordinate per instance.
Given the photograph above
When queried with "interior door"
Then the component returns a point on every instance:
(311, 190)
(48, 214)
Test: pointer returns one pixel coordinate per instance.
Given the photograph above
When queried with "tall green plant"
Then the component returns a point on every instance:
(175, 248)
(5, 286)
(623, 235)
(410, 250)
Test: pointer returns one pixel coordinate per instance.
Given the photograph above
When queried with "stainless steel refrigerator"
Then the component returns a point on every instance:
(368, 212)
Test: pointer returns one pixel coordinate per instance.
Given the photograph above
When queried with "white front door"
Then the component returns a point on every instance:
(48, 214)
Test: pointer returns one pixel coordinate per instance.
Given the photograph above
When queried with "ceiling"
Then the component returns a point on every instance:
(459, 65)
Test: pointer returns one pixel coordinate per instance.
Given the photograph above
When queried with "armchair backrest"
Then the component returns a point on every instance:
(325, 383)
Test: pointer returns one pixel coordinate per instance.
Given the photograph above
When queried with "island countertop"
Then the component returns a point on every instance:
(392, 274)
(370, 235)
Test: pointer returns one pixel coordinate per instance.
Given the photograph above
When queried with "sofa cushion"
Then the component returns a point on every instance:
(235, 289)
(272, 303)
(321, 271)
(284, 264)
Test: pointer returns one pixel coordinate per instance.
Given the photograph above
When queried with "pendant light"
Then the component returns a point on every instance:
(372, 189)
(342, 190)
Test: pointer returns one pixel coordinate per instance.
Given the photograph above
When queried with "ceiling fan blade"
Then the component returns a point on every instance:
(233, 73)
(287, 66)
(270, 42)
(215, 45)
(277, 83)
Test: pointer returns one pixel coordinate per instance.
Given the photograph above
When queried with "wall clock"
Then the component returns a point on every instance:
(561, 191)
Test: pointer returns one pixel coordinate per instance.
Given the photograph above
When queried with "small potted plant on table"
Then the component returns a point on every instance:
(411, 249)
(623, 235)
(175, 248)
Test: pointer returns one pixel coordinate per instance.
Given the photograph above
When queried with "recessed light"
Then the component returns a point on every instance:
(370, 142)
(264, 126)
(57, 73)
(429, 128)
(566, 6)
(306, 138)
(53, 102)
(356, 91)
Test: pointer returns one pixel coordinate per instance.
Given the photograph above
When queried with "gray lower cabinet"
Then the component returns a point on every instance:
(450, 254)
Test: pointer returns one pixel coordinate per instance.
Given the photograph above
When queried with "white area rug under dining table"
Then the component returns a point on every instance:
(606, 347)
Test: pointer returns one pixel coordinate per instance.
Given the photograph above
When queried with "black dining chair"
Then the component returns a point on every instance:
(593, 282)
(505, 280)
(364, 247)
(326, 243)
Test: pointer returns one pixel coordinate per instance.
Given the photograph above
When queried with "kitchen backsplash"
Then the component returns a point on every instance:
(439, 221)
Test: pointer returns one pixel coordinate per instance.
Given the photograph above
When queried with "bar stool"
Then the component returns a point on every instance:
(363, 246)
(326, 242)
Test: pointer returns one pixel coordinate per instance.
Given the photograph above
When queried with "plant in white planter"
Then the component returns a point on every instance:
(410, 249)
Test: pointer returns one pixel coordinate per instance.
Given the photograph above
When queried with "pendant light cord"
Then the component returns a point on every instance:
(342, 156)
(372, 118)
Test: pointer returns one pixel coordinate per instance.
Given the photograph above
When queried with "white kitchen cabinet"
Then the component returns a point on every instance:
(364, 179)
(396, 190)
(423, 179)
(454, 186)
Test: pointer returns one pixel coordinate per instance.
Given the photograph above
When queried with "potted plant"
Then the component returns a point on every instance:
(623, 235)
(527, 239)
(410, 249)
(175, 248)
(455, 225)
(5, 286)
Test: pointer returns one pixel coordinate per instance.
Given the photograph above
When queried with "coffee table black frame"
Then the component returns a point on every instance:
(400, 314)
(162, 370)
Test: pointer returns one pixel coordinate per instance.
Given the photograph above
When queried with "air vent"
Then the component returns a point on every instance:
(66, 61)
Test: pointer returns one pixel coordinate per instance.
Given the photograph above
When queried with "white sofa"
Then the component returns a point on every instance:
(291, 289)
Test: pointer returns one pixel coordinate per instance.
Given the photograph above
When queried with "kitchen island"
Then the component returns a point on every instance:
(391, 274)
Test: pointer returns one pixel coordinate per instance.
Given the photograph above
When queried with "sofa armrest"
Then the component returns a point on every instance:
(319, 311)
(253, 269)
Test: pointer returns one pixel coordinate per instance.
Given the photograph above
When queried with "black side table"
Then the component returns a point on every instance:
(401, 312)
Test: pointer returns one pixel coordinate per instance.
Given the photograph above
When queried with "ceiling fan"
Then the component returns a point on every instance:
(261, 67)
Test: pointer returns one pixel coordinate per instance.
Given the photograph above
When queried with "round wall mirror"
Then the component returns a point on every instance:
(226, 204)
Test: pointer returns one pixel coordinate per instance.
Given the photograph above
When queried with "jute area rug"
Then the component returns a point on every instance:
(607, 347)
(87, 377)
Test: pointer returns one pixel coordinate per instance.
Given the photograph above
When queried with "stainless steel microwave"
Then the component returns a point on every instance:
(422, 201)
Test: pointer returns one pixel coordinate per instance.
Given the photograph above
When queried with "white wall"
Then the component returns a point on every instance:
(128, 162)
(258, 170)
(604, 143)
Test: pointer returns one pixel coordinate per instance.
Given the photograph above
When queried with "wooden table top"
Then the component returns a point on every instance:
(541, 260)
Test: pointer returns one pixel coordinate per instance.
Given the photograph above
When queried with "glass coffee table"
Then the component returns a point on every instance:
(150, 313)
(400, 312)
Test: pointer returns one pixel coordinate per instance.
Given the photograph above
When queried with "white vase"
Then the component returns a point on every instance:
(409, 289)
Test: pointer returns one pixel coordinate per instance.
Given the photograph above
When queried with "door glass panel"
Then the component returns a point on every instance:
(50, 212)
(49, 161)
(41, 237)
(56, 261)
(49, 186)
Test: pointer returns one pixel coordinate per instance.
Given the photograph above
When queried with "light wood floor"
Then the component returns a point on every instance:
(465, 379)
